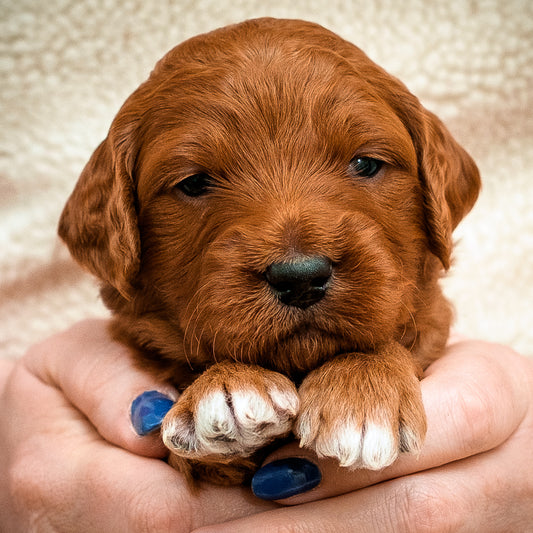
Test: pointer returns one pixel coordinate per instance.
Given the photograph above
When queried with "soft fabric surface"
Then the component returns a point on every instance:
(67, 66)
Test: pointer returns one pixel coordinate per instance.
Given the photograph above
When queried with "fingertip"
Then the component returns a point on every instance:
(140, 434)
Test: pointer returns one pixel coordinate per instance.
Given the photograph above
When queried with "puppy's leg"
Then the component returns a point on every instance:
(363, 409)
(224, 417)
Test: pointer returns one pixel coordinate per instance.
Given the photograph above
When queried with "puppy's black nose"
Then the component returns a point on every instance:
(302, 282)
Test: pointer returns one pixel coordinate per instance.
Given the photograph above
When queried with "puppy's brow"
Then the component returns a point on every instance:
(165, 168)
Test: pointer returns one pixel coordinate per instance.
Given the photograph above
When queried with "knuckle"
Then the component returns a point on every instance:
(130, 504)
(421, 508)
(27, 489)
(147, 515)
(295, 528)
(41, 351)
(475, 419)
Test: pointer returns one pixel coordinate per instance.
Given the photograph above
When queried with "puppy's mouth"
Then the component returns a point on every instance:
(294, 352)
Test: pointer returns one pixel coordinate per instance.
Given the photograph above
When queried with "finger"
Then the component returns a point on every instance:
(6, 366)
(64, 477)
(480, 493)
(473, 403)
(99, 377)
(151, 496)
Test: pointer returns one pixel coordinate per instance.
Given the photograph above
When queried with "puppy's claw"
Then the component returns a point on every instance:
(410, 440)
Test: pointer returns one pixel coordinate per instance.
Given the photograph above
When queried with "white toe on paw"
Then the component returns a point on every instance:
(344, 444)
(251, 409)
(373, 447)
(261, 419)
(178, 435)
(253, 415)
(287, 403)
(215, 425)
(380, 448)
(410, 441)
(305, 430)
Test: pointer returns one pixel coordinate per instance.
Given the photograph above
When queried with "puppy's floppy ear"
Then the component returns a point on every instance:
(99, 221)
(450, 181)
(449, 176)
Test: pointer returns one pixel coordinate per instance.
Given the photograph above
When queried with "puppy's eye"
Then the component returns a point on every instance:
(365, 167)
(195, 185)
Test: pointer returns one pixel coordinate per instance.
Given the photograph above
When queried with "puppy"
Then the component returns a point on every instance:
(269, 215)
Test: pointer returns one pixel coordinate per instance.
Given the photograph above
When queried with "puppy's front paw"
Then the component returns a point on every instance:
(362, 411)
(230, 410)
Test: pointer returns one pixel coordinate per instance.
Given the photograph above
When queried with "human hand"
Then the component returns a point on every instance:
(65, 476)
(475, 471)
(65, 429)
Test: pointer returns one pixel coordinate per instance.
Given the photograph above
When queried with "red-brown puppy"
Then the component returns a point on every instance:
(270, 214)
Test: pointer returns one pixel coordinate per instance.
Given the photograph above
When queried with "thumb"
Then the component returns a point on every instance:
(99, 377)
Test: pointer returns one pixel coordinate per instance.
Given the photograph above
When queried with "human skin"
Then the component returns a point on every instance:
(72, 461)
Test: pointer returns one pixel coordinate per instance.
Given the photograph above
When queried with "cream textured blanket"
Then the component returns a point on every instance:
(68, 65)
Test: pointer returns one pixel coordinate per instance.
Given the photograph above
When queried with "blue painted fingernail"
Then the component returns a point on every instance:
(284, 478)
(148, 410)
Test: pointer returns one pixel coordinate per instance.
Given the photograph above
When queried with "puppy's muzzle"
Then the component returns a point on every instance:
(301, 282)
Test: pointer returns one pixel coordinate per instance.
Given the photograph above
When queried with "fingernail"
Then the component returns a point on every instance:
(148, 410)
(284, 478)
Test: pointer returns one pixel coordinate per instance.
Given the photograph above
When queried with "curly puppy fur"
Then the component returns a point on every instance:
(270, 214)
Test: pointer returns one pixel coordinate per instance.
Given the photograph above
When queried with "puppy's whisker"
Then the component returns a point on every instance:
(247, 358)
(413, 320)
(213, 346)
(194, 314)
(190, 343)
(191, 329)
(187, 356)
(199, 342)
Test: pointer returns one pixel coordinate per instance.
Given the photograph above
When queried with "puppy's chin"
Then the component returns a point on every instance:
(295, 353)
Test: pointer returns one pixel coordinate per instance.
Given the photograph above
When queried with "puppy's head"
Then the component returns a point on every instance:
(269, 194)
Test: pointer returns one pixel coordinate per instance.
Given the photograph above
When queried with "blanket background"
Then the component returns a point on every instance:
(67, 66)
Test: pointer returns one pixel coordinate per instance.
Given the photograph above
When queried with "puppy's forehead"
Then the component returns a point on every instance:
(256, 38)
(289, 86)
(265, 57)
